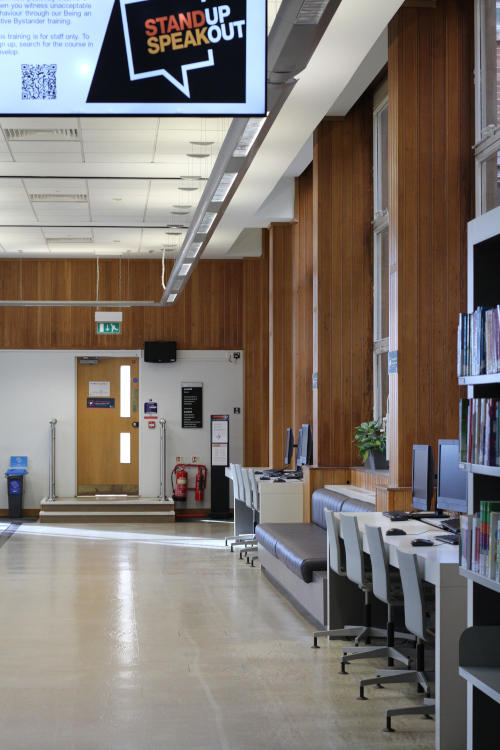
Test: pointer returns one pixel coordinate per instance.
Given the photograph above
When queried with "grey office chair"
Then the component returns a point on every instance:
(336, 555)
(256, 508)
(238, 494)
(356, 572)
(416, 608)
(250, 545)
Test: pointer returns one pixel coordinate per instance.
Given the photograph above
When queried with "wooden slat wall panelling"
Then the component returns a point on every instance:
(343, 283)
(280, 339)
(303, 300)
(430, 139)
(255, 295)
(207, 316)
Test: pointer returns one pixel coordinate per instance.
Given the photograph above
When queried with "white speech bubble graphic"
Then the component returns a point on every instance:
(182, 86)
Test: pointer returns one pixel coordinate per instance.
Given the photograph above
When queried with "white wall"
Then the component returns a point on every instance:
(37, 386)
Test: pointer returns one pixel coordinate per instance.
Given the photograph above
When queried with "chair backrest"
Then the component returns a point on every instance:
(255, 490)
(246, 487)
(380, 566)
(236, 485)
(337, 556)
(241, 488)
(413, 592)
(354, 558)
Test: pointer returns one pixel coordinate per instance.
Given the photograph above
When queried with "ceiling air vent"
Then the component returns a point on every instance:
(311, 12)
(57, 134)
(70, 240)
(58, 198)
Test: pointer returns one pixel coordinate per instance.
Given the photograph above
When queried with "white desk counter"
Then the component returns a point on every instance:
(439, 566)
(281, 502)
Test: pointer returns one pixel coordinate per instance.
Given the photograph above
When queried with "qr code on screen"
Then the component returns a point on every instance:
(39, 81)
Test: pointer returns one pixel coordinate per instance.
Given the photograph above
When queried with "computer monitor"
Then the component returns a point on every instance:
(422, 477)
(306, 454)
(452, 482)
(289, 446)
(299, 450)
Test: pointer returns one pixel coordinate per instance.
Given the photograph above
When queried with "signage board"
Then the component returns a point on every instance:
(108, 328)
(100, 403)
(192, 405)
(393, 363)
(181, 57)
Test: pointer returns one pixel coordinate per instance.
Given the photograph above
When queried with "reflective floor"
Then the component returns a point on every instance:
(155, 637)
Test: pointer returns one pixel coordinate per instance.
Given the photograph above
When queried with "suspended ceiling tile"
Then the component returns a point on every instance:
(123, 148)
(45, 148)
(118, 158)
(113, 135)
(49, 158)
(119, 123)
(39, 123)
(6, 157)
(45, 185)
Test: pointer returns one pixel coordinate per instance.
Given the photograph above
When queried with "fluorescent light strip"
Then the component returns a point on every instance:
(207, 222)
(185, 269)
(177, 285)
(172, 298)
(311, 12)
(194, 250)
(224, 187)
(249, 136)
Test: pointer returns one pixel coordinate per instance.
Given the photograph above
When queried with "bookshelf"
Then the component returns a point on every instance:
(480, 644)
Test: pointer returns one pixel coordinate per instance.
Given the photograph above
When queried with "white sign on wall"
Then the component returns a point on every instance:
(133, 57)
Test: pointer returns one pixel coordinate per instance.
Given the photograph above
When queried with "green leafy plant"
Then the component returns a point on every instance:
(368, 437)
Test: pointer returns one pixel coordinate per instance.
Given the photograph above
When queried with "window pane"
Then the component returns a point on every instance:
(382, 163)
(490, 182)
(490, 63)
(382, 385)
(381, 282)
(125, 391)
(124, 447)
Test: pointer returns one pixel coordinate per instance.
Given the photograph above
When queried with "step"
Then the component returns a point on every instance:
(66, 506)
(107, 516)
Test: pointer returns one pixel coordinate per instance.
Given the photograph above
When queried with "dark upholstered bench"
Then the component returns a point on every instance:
(296, 553)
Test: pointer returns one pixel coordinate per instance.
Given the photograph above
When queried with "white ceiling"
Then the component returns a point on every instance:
(129, 174)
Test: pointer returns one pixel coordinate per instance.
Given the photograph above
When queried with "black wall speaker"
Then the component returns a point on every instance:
(160, 351)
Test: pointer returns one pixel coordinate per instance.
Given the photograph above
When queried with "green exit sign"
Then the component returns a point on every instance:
(108, 328)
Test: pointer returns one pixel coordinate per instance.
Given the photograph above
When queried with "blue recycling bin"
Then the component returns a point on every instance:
(15, 484)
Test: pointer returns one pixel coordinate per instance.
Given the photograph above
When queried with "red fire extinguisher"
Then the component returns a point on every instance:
(181, 483)
(200, 485)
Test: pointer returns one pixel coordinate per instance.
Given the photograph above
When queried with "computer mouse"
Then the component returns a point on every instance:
(395, 532)
(422, 543)
(279, 480)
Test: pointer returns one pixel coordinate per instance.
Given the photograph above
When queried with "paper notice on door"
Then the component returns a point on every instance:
(219, 432)
(219, 454)
(101, 389)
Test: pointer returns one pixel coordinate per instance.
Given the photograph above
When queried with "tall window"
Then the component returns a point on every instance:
(487, 148)
(380, 253)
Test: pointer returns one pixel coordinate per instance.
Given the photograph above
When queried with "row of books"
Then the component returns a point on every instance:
(479, 443)
(478, 351)
(479, 549)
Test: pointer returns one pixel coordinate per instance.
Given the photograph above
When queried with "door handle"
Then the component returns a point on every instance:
(135, 424)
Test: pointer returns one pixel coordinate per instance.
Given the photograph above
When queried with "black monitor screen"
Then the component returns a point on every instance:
(306, 454)
(452, 483)
(299, 450)
(422, 477)
(289, 446)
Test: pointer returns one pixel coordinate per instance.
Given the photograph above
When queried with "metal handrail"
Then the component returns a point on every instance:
(52, 463)
(162, 459)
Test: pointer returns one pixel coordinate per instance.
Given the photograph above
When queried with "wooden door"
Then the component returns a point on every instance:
(103, 464)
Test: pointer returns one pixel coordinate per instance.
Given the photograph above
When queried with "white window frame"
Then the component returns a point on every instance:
(380, 224)
(487, 134)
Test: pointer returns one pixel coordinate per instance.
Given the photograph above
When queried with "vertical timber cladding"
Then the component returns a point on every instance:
(430, 202)
(192, 405)
(219, 459)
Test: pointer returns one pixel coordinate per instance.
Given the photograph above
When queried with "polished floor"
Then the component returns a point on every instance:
(150, 637)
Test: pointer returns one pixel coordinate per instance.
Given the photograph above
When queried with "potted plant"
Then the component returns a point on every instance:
(371, 441)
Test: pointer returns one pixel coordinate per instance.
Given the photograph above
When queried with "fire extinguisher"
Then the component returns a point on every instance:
(200, 485)
(181, 484)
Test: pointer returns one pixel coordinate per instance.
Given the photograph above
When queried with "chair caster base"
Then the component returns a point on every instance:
(361, 698)
(388, 729)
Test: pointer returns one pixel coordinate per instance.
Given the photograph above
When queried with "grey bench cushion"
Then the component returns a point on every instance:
(333, 500)
(299, 546)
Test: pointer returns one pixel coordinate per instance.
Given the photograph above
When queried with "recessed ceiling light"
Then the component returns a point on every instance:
(185, 269)
(172, 298)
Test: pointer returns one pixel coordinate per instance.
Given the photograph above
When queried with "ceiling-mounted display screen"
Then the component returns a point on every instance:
(133, 57)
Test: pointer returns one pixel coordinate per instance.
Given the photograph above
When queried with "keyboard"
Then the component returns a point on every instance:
(396, 515)
(448, 538)
(451, 524)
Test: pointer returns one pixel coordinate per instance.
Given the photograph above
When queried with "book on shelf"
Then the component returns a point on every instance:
(466, 541)
(478, 434)
(474, 557)
(486, 538)
(493, 545)
(478, 342)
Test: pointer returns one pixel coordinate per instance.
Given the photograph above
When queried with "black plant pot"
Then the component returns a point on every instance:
(376, 460)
